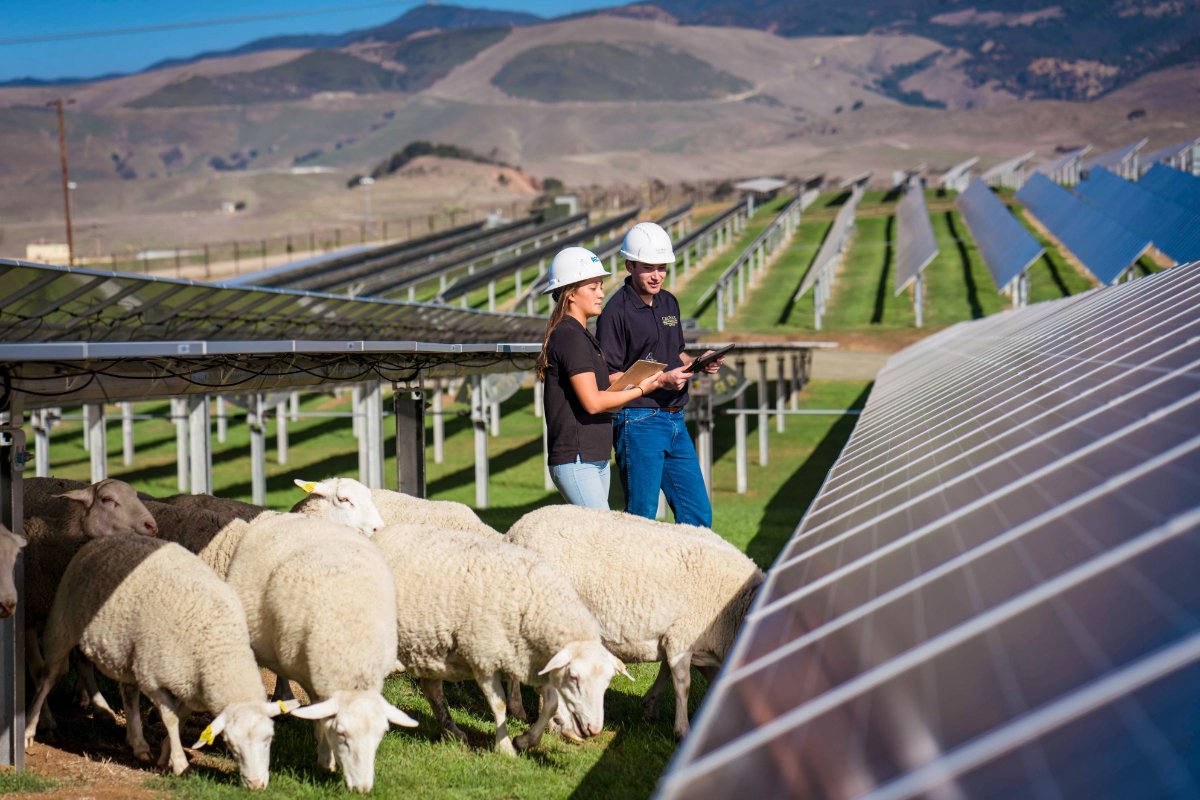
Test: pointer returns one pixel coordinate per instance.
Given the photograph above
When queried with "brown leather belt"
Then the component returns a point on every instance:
(672, 409)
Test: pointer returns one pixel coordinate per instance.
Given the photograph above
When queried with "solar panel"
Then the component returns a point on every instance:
(1178, 187)
(1180, 151)
(915, 245)
(1007, 248)
(994, 593)
(1173, 229)
(69, 304)
(956, 177)
(1057, 168)
(1116, 159)
(1008, 173)
(1105, 247)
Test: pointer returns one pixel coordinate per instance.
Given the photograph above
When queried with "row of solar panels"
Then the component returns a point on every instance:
(994, 594)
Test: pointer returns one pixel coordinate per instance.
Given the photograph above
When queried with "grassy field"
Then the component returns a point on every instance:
(626, 760)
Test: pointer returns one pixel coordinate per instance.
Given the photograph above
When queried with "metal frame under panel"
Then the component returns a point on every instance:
(994, 592)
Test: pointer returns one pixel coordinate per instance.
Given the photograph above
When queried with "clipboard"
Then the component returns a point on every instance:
(636, 374)
(701, 362)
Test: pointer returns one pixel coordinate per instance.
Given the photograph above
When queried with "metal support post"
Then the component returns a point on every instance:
(704, 439)
(179, 417)
(281, 432)
(222, 420)
(739, 425)
(479, 425)
(763, 417)
(439, 424)
(720, 307)
(917, 299)
(795, 382)
(491, 295)
(12, 629)
(547, 481)
(780, 391)
(671, 275)
(85, 411)
(517, 288)
(199, 445)
(258, 449)
(127, 434)
(294, 406)
(494, 419)
(373, 433)
(97, 442)
(41, 441)
(539, 395)
(409, 408)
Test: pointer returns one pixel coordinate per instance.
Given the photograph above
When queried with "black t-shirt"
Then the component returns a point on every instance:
(572, 431)
(630, 330)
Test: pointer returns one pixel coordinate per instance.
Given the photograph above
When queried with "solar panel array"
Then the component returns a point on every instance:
(994, 594)
(1177, 155)
(1010, 173)
(69, 304)
(915, 244)
(1120, 160)
(1172, 228)
(1104, 246)
(1007, 248)
(1178, 187)
(1065, 168)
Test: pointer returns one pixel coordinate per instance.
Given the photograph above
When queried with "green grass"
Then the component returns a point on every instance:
(958, 285)
(25, 783)
(1051, 277)
(627, 759)
(863, 296)
(769, 307)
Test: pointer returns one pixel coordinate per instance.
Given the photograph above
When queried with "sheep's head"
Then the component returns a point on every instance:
(580, 674)
(352, 724)
(10, 547)
(248, 729)
(111, 507)
(342, 500)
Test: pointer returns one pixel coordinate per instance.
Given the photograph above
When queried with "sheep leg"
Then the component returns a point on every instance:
(55, 669)
(131, 699)
(89, 692)
(493, 691)
(516, 706)
(432, 689)
(533, 736)
(172, 748)
(654, 695)
(37, 670)
(681, 673)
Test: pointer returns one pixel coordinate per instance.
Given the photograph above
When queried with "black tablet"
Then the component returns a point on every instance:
(703, 361)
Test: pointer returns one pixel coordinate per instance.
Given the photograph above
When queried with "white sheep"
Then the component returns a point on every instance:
(403, 509)
(661, 592)
(222, 505)
(10, 548)
(342, 500)
(154, 618)
(476, 607)
(321, 609)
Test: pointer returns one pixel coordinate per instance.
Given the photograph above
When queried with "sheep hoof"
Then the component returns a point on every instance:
(650, 710)
(518, 712)
(680, 733)
(454, 734)
(505, 747)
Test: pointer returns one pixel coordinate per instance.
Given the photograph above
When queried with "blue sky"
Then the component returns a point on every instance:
(21, 20)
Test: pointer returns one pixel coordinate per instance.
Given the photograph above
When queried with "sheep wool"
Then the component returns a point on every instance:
(150, 614)
(402, 509)
(211, 532)
(659, 592)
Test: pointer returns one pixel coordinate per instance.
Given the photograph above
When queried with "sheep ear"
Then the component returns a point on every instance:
(280, 707)
(326, 708)
(560, 660)
(620, 665)
(308, 486)
(86, 495)
(209, 734)
(398, 717)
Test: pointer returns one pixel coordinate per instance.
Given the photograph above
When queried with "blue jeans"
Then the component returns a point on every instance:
(583, 483)
(654, 451)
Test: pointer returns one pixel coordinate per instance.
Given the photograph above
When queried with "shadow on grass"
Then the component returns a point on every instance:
(881, 289)
(788, 505)
(1052, 268)
(838, 200)
(512, 457)
(968, 277)
(893, 194)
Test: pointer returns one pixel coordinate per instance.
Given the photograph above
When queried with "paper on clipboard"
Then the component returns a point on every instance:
(636, 374)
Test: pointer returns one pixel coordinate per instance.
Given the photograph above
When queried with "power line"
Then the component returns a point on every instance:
(172, 26)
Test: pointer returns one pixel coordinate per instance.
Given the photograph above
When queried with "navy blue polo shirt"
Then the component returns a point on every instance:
(630, 330)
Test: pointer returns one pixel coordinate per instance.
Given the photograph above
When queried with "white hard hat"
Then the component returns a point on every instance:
(648, 243)
(574, 264)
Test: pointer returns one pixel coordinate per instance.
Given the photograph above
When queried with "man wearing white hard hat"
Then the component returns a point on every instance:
(642, 321)
(579, 426)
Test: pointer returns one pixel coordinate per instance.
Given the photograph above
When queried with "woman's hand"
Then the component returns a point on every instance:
(650, 384)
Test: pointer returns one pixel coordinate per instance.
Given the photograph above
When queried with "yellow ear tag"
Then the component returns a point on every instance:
(282, 706)
(308, 487)
(206, 735)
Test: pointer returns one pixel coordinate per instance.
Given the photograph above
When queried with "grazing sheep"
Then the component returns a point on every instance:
(342, 500)
(321, 609)
(155, 619)
(659, 592)
(402, 509)
(476, 607)
(10, 548)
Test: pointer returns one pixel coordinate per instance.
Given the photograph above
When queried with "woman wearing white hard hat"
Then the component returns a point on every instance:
(576, 400)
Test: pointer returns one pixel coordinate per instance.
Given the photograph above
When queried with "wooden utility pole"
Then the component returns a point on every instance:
(58, 104)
